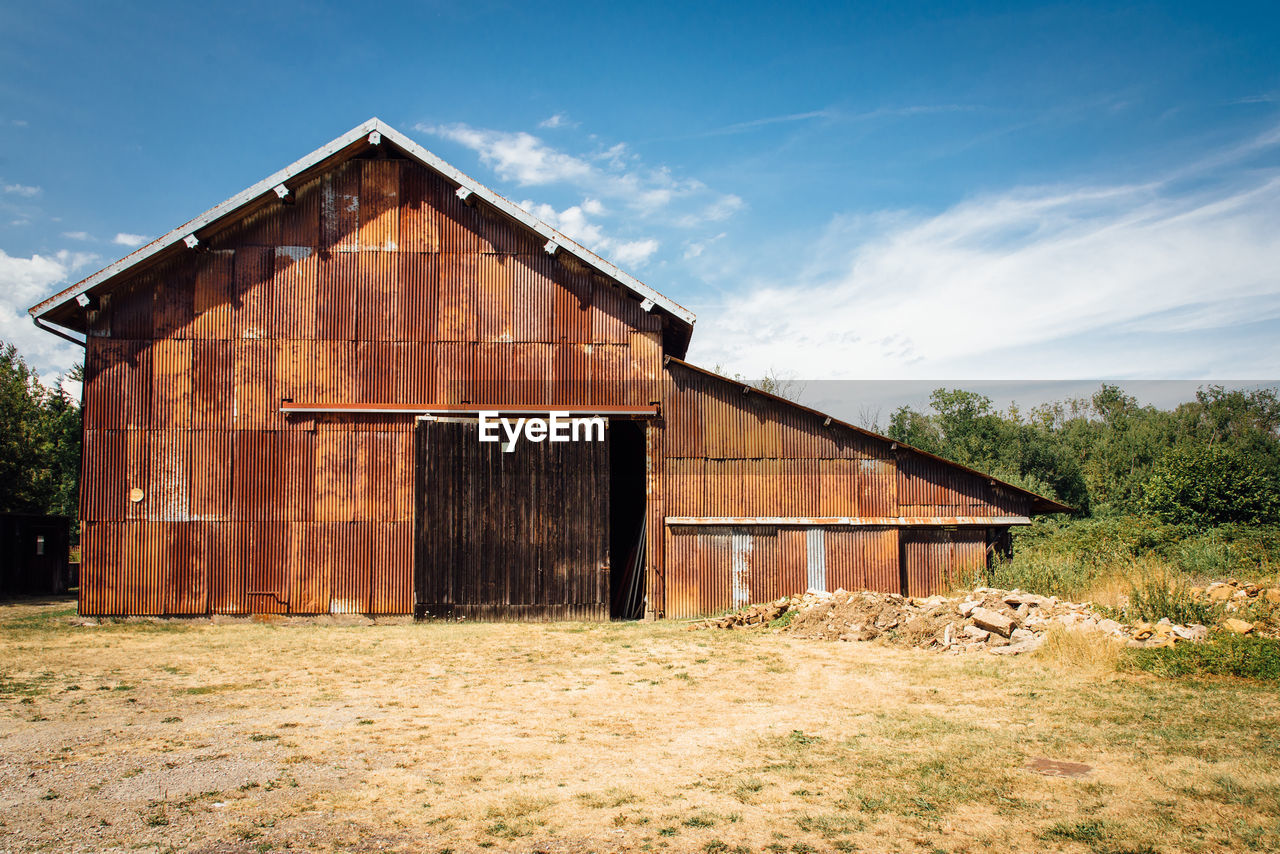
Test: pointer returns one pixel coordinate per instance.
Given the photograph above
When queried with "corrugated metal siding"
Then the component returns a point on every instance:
(715, 568)
(863, 559)
(938, 560)
(376, 284)
(730, 454)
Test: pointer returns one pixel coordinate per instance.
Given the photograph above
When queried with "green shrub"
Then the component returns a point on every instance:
(1047, 574)
(1205, 485)
(1224, 654)
(1156, 597)
(783, 621)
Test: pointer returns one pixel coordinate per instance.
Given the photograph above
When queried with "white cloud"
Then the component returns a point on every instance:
(519, 157)
(1031, 283)
(611, 173)
(557, 121)
(77, 235)
(124, 238)
(24, 190)
(634, 253)
(573, 222)
(694, 249)
(25, 282)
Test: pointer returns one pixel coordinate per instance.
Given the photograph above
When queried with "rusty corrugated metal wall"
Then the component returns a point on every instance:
(376, 285)
(730, 454)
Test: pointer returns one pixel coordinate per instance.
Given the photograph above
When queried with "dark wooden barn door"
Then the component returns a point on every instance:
(519, 535)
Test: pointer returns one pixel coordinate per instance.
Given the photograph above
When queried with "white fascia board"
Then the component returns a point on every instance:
(361, 134)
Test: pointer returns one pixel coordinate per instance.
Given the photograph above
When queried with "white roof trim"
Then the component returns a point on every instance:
(357, 135)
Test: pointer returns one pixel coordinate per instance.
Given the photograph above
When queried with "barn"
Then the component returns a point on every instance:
(283, 402)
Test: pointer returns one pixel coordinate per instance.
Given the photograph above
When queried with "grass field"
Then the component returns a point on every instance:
(248, 736)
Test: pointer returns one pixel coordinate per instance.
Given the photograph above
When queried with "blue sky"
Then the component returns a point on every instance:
(862, 191)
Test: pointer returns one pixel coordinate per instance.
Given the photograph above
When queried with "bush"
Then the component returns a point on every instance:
(1158, 596)
(1048, 575)
(1224, 654)
(1076, 558)
(1205, 485)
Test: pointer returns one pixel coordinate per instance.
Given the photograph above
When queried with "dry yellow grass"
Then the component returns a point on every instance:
(617, 737)
(1081, 652)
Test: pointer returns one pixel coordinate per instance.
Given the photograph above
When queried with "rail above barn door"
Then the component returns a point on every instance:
(464, 409)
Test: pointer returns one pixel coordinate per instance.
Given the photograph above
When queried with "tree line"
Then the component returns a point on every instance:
(1208, 461)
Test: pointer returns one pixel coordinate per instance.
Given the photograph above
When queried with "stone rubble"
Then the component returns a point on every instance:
(999, 622)
(1233, 595)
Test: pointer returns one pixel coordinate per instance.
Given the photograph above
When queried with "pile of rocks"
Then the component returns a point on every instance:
(1233, 595)
(1001, 622)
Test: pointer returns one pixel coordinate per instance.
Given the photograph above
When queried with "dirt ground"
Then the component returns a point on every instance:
(240, 736)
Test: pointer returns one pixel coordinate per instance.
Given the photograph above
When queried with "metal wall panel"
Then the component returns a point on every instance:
(419, 220)
(254, 291)
(379, 220)
(294, 291)
(340, 207)
(300, 221)
(172, 372)
(862, 559)
(935, 561)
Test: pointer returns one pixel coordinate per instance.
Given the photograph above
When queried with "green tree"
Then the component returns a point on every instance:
(1207, 485)
(39, 441)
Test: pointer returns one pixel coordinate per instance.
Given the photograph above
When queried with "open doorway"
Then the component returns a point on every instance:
(626, 519)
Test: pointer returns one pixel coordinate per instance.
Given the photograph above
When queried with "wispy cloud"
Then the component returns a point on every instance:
(77, 235)
(622, 197)
(634, 253)
(752, 124)
(520, 157)
(575, 222)
(612, 173)
(834, 115)
(559, 120)
(1031, 283)
(25, 190)
(133, 241)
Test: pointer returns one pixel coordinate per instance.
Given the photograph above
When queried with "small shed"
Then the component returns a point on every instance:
(33, 554)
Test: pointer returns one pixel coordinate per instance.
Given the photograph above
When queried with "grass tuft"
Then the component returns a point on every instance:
(1078, 650)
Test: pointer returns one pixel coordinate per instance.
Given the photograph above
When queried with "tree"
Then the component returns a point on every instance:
(39, 441)
(1206, 485)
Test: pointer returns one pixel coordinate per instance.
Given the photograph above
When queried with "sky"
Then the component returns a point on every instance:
(932, 192)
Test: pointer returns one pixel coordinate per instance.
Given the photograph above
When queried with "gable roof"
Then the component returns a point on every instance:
(359, 138)
(1039, 504)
